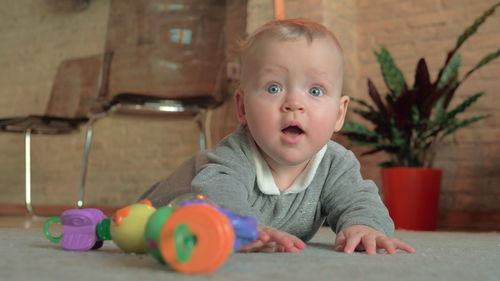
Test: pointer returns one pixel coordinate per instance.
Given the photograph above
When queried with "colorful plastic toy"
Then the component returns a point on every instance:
(128, 224)
(86, 229)
(191, 234)
(78, 229)
(195, 236)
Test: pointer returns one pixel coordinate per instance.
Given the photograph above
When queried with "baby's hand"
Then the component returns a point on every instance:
(362, 237)
(273, 240)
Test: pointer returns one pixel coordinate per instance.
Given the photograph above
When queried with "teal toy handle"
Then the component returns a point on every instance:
(184, 242)
(46, 230)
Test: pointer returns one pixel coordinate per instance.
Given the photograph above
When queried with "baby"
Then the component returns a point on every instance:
(280, 165)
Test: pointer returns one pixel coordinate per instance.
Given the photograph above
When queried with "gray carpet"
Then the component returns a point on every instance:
(26, 255)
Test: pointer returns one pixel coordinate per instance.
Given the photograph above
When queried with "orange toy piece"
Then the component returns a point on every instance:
(213, 234)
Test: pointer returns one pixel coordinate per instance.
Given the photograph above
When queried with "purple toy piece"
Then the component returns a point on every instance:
(245, 227)
(79, 229)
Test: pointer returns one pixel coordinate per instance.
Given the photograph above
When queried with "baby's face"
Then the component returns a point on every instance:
(290, 97)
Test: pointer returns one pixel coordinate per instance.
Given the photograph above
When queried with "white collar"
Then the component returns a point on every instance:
(265, 180)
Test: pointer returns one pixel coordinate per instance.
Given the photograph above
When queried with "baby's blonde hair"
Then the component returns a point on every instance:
(288, 29)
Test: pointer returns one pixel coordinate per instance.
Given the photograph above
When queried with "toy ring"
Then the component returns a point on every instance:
(209, 230)
(46, 230)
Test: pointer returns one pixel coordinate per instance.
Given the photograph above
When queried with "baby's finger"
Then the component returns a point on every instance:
(251, 247)
(280, 237)
(340, 242)
(386, 244)
(369, 244)
(277, 248)
(263, 236)
(293, 250)
(403, 246)
(291, 243)
(268, 248)
(298, 243)
(280, 249)
(351, 243)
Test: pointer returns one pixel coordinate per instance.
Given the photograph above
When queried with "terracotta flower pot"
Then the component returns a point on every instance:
(412, 196)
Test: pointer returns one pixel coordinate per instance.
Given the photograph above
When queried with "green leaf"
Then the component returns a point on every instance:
(450, 71)
(463, 106)
(469, 31)
(446, 121)
(363, 143)
(488, 58)
(439, 109)
(387, 164)
(363, 103)
(415, 114)
(393, 77)
(483, 62)
(463, 123)
(356, 128)
(372, 116)
(397, 136)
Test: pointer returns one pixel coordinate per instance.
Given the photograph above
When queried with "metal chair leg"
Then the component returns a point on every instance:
(202, 120)
(85, 161)
(27, 170)
(202, 141)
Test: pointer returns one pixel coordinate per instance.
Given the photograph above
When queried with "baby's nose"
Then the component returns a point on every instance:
(292, 104)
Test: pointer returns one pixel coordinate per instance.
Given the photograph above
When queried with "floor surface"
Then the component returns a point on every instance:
(26, 255)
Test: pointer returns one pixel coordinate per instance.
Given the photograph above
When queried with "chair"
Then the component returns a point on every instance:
(164, 58)
(72, 103)
(157, 80)
(167, 56)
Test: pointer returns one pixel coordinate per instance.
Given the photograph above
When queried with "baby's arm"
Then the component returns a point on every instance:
(362, 237)
(225, 182)
(356, 213)
(274, 240)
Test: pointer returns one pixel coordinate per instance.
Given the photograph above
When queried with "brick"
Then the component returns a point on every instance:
(470, 58)
(431, 19)
(259, 12)
(475, 134)
(371, 3)
(389, 25)
(406, 8)
(434, 47)
(398, 9)
(490, 72)
(483, 41)
(450, 4)
(294, 9)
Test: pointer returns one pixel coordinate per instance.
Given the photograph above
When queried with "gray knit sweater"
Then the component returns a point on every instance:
(227, 175)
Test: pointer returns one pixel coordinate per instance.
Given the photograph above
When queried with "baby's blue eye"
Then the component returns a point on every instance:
(315, 91)
(273, 89)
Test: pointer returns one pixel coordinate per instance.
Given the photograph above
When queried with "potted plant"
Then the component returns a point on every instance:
(408, 121)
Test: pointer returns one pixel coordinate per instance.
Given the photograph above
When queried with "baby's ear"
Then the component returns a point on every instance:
(343, 104)
(240, 106)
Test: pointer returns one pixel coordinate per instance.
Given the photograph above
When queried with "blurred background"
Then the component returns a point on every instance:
(39, 40)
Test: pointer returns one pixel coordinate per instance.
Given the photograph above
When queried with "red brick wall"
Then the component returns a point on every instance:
(470, 158)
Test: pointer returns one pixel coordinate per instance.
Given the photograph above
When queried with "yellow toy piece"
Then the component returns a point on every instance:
(128, 224)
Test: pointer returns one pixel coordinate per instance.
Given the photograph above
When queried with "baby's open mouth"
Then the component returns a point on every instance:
(292, 131)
